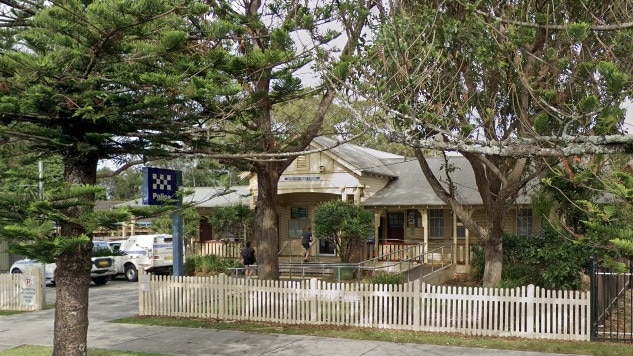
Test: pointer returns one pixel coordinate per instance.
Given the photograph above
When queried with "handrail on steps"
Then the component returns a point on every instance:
(374, 264)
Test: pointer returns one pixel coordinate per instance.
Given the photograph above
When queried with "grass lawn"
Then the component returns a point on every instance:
(562, 347)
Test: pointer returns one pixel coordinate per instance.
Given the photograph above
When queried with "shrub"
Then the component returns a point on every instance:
(549, 261)
(209, 265)
(386, 278)
(477, 262)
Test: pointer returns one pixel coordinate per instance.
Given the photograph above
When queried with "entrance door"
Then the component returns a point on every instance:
(395, 227)
(326, 248)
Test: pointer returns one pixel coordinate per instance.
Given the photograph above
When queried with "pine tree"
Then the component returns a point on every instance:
(86, 81)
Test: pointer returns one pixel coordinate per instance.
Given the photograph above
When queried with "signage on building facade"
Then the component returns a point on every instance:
(297, 179)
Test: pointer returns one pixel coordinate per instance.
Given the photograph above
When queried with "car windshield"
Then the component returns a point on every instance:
(99, 245)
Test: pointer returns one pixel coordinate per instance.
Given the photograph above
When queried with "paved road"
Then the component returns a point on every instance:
(119, 299)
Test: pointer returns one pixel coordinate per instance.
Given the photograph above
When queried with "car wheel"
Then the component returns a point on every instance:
(131, 274)
(16, 270)
(100, 280)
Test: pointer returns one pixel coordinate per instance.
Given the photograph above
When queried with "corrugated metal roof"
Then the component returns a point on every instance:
(205, 197)
(411, 188)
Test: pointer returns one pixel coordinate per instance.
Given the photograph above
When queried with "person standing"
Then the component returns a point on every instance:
(248, 258)
(306, 240)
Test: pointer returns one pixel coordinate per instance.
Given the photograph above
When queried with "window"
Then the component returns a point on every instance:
(414, 218)
(298, 220)
(395, 219)
(524, 222)
(436, 223)
(461, 231)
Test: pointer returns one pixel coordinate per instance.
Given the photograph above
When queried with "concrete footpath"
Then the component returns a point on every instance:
(118, 299)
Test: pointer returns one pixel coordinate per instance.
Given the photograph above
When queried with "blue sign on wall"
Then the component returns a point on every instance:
(159, 185)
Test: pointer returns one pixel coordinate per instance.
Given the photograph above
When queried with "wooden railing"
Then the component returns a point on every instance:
(528, 312)
(218, 248)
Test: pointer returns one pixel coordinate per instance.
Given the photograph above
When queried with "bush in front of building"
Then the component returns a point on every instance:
(209, 265)
(344, 225)
(386, 278)
(548, 260)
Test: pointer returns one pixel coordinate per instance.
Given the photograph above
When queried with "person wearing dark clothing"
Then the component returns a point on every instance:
(306, 240)
(248, 258)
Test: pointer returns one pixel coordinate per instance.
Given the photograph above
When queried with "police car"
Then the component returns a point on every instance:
(102, 267)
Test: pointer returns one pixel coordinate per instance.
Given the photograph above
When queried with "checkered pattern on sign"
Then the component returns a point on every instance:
(161, 182)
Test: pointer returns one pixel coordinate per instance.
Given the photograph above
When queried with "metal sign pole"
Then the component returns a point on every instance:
(177, 232)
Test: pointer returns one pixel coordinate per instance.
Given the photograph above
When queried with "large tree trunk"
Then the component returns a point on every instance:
(493, 249)
(493, 244)
(267, 223)
(72, 276)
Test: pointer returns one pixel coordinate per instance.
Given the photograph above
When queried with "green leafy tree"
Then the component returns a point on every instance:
(123, 186)
(501, 83)
(610, 221)
(343, 224)
(238, 220)
(85, 81)
(264, 47)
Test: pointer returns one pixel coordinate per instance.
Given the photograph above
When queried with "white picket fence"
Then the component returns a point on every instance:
(527, 312)
(22, 292)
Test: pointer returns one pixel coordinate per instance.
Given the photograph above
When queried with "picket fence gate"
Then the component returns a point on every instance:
(22, 292)
(527, 312)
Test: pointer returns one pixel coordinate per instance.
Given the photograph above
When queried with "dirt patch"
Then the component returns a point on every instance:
(462, 281)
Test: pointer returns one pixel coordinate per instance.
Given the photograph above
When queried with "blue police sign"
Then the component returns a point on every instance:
(159, 185)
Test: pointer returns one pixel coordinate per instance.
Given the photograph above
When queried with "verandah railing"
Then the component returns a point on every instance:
(528, 312)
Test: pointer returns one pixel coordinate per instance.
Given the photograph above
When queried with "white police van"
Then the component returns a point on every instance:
(152, 253)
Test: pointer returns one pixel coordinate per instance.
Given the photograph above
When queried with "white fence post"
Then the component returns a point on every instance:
(417, 297)
(313, 300)
(221, 288)
(529, 311)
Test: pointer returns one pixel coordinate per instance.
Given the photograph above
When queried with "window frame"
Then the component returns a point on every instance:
(524, 222)
(436, 219)
(299, 218)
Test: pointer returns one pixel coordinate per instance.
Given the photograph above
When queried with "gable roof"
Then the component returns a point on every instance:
(363, 159)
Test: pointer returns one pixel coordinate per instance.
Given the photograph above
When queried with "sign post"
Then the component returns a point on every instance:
(160, 186)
